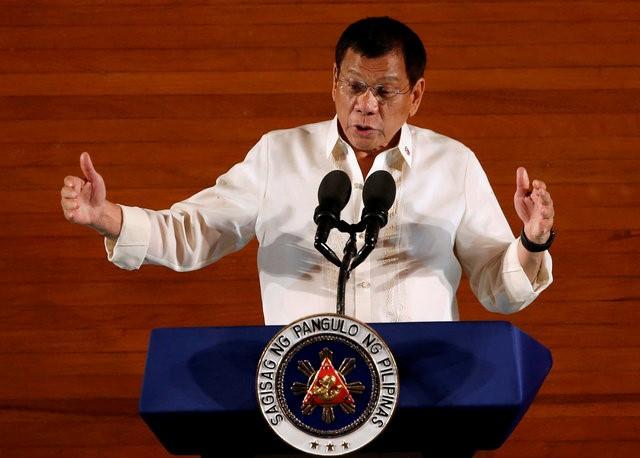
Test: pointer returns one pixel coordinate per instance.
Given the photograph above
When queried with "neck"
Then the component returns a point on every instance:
(365, 162)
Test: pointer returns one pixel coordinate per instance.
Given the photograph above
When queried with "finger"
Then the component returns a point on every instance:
(74, 183)
(545, 198)
(87, 167)
(522, 182)
(539, 184)
(69, 204)
(70, 215)
(542, 198)
(68, 192)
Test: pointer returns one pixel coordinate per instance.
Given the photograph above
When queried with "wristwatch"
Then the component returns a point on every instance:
(536, 247)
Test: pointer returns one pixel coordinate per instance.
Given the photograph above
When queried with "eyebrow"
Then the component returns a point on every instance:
(356, 74)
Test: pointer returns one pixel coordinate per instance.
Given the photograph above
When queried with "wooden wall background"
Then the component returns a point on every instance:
(166, 95)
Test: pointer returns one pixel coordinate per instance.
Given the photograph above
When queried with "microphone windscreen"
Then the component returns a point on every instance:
(334, 191)
(379, 191)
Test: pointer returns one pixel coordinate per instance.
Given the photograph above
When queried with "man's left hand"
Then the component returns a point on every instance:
(534, 207)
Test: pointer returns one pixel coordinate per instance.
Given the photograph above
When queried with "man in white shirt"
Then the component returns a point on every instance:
(445, 217)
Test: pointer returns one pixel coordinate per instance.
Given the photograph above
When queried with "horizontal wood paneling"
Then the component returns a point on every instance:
(597, 195)
(152, 87)
(600, 172)
(219, 152)
(308, 81)
(226, 130)
(308, 58)
(289, 105)
(467, 12)
(276, 35)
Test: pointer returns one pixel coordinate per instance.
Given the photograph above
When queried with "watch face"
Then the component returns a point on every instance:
(327, 384)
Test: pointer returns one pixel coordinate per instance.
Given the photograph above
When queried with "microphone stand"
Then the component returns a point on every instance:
(350, 250)
(345, 271)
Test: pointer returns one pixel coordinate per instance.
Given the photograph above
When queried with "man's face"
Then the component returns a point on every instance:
(372, 123)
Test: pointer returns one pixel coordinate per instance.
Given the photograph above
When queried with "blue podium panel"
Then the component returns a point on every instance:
(463, 385)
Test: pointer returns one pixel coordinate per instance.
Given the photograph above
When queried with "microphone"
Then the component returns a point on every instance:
(378, 195)
(333, 195)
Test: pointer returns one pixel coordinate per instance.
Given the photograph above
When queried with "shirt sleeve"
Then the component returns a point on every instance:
(488, 251)
(201, 229)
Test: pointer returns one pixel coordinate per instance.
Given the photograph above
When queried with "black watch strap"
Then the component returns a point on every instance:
(536, 247)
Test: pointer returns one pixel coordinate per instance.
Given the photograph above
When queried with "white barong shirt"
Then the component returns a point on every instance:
(445, 219)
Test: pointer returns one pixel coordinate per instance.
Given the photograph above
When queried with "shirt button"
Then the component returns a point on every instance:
(364, 284)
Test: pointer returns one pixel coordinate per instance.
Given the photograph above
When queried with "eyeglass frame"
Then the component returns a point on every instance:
(345, 81)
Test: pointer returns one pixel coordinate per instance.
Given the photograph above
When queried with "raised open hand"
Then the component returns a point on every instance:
(83, 200)
(534, 207)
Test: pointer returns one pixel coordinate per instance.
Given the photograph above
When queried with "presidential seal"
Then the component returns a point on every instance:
(327, 384)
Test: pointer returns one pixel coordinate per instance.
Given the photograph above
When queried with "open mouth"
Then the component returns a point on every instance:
(363, 129)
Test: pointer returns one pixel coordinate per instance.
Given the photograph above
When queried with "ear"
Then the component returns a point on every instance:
(334, 83)
(416, 96)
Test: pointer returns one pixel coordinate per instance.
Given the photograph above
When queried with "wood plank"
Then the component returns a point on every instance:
(543, 312)
(242, 106)
(597, 195)
(104, 339)
(143, 153)
(415, 13)
(308, 81)
(28, 317)
(585, 335)
(531, 55)
(143, 130)
(576, 429)
(614, 240)
(591, 218)
(239, 2)
(567, 147)
(309, 58)
(238, 293)
(598, 382)
(622, 406)
(96, 433)
(239, 106)
(276, 35)
(561, 171)
(562, 449)
(604, 173)
(91, 341)
(116, 388)
(110, 451)
(461, 126)
(615, 289)
(71, 254)
(34, 365)
(507, 150)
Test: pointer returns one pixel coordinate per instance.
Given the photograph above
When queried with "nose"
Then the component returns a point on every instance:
(366, 104)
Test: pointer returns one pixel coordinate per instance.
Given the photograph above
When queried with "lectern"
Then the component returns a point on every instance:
(464, 386)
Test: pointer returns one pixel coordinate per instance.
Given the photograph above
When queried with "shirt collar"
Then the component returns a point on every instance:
(404, 145)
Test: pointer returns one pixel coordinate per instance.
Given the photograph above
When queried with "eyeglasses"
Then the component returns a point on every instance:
(382, 92)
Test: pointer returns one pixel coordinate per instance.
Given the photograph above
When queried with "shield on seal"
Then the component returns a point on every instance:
(327, 384)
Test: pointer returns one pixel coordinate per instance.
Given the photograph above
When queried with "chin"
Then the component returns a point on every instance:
(364, 144)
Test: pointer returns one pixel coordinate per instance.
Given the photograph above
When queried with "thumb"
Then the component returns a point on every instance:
(522, 182)
(87, 168)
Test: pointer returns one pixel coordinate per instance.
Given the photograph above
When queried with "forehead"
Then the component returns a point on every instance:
(389, 66)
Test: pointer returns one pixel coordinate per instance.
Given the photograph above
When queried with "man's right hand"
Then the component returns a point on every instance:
(84, 201)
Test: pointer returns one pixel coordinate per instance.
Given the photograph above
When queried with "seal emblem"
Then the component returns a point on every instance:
(327, 384)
